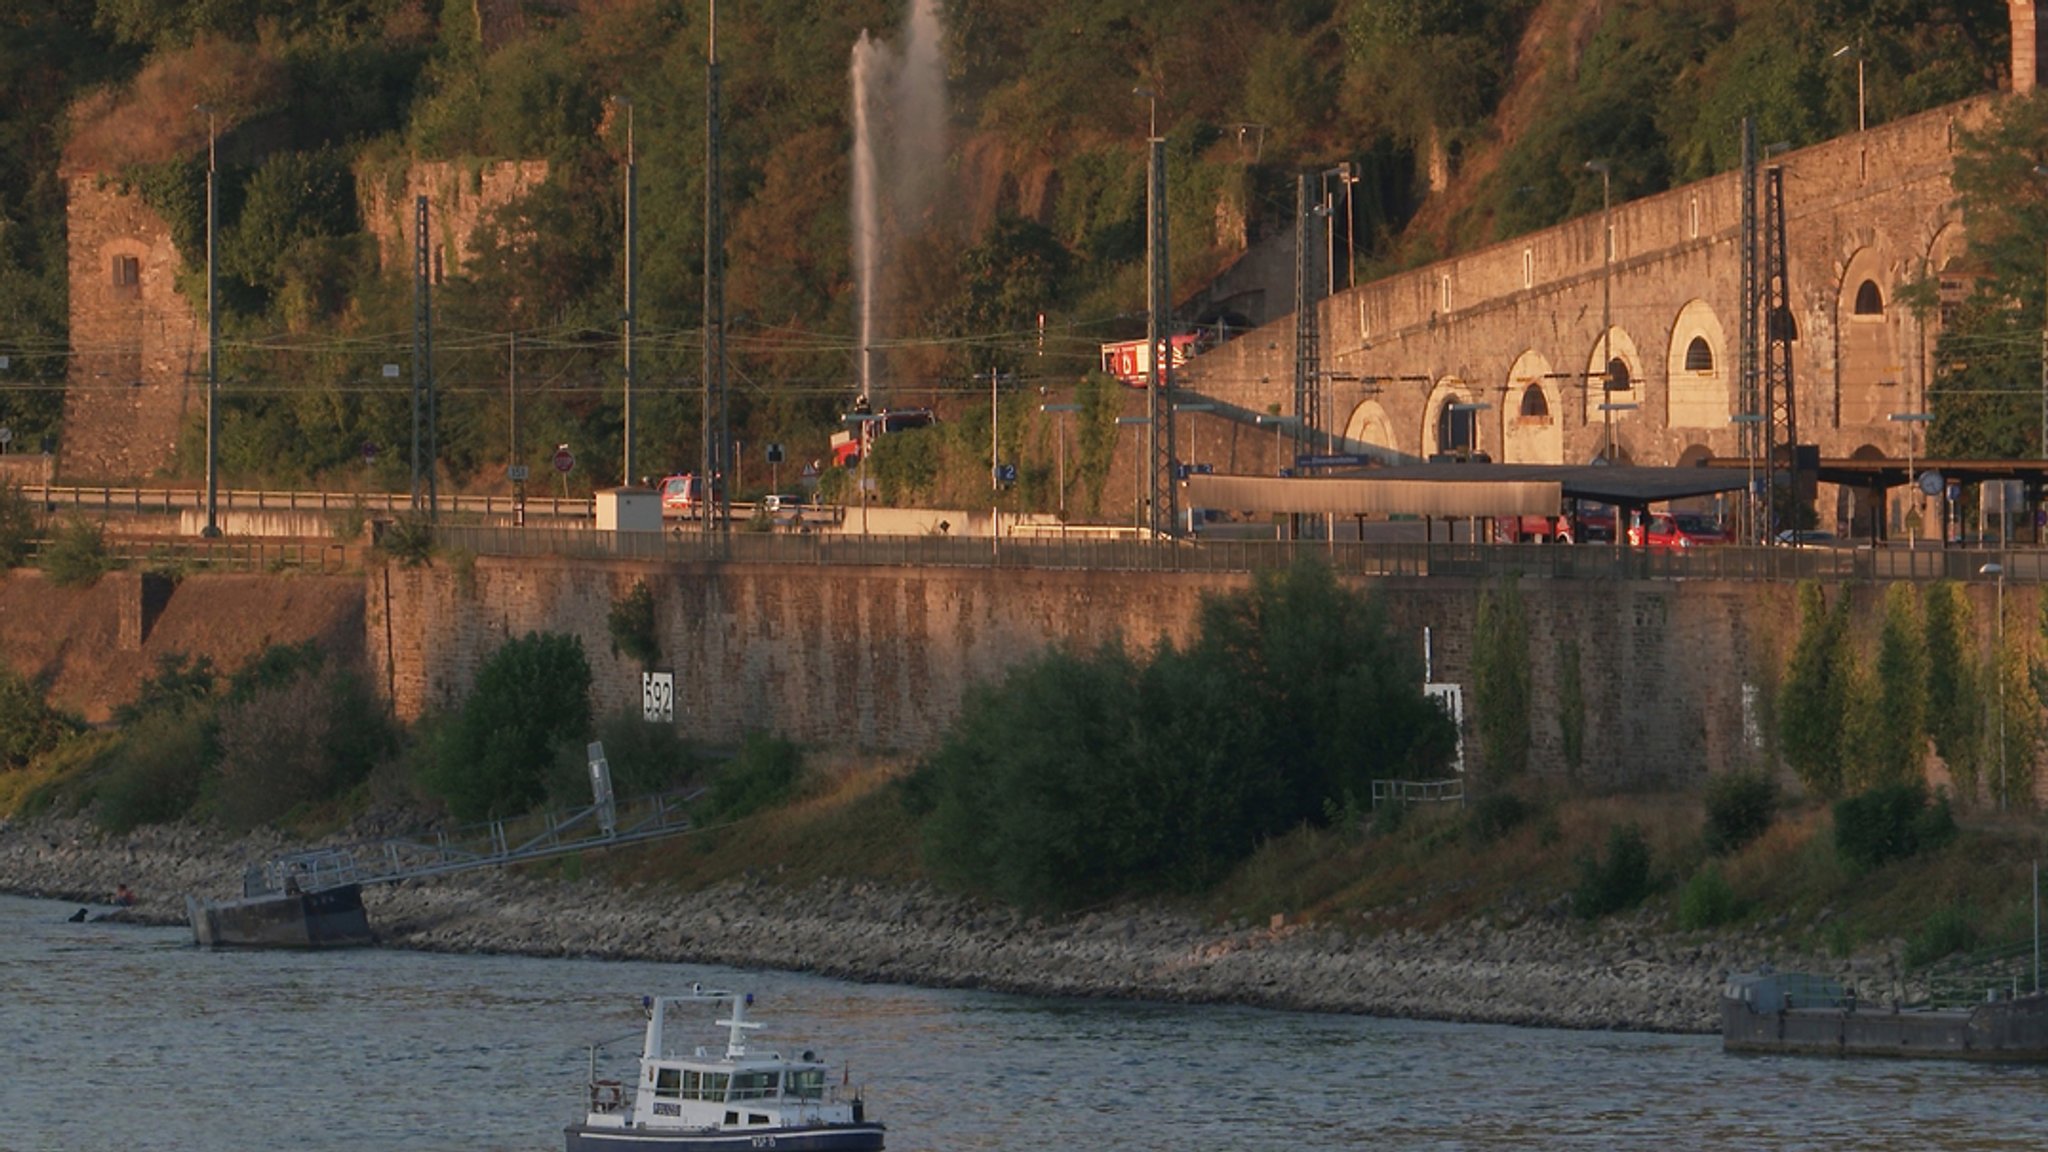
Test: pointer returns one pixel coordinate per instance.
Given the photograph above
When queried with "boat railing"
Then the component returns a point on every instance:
(2002, 972)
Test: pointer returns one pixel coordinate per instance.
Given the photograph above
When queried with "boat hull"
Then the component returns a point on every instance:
(818, 1138)
(329, 918)
(2005, 1030)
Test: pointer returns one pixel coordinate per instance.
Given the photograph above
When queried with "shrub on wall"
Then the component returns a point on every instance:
(1501, 680)
(1954, 706)
(1814, 699)
(18, 528)
(632, 626)
(29, 727)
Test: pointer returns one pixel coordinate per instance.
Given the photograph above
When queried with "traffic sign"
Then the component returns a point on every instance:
(775, 453)
(517, 473)
(6, 434)
(564, 460)
(369, 451)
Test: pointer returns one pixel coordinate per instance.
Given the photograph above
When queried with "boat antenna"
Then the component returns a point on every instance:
(736, 1039)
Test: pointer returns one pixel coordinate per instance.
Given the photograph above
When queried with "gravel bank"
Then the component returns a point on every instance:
(1622, 975)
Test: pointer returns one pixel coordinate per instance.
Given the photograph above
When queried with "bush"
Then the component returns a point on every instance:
(1497, 814)
(18, 527)
(1891, 823)
(1707, 901)
(180, 681)
(492, 757)
(632, 626)
(409, 540)
(645, 759)
(763, 775)
(77, 556)
(1161, 776)
(29, 727)
(295, 738)
(1618, 882)
(153, 773)
(1947, 932)
(1740, 806)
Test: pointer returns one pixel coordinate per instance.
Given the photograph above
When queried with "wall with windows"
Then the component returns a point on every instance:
(1866, 214)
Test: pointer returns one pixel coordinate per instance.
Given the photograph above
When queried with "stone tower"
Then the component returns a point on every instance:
(138, 368)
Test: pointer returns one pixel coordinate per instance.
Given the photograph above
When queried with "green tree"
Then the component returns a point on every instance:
(1813, 701)
(530, 695)
(1900, 689)
(29, 727)
(1953, 698)
(1501, 680)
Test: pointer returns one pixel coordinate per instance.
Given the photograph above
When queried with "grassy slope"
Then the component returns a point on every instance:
(1432, 871)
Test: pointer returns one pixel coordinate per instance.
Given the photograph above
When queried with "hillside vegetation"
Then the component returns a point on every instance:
(1464, 120)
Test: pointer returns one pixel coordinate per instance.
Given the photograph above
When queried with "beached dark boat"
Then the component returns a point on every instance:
(1789, 1012)
(700, 1102)
(327, 918)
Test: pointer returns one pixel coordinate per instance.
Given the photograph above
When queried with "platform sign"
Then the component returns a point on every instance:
(1451, 698)
(517, 473)
(658, 697)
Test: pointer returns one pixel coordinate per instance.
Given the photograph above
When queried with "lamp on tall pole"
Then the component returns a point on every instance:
(1137, 476)
(1995, 569)
(1749, 459)
(1855, 51)
(212, 528)
(631, 211)
(1606, 297)
(1062, 410)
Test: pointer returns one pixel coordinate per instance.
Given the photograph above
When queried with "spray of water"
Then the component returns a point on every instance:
(899, 111)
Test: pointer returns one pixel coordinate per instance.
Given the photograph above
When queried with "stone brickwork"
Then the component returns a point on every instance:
(460, 200)
(138, 369)
(1518, 325)
(1677, 677)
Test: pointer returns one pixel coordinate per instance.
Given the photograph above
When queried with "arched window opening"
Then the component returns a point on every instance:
(1617, 376)
(1534, 405)
(1454, 429)
(1869, 301)
(1699, 357)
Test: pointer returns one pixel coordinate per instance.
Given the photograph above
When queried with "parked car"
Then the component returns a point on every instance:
(1811, 538)
(1676, 531)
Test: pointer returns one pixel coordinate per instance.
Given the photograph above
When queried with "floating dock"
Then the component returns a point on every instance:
(1800, 1014)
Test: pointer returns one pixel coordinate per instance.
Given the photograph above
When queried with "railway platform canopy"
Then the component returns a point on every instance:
(1461, 490)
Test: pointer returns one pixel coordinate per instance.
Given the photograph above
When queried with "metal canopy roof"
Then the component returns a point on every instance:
(1372, 495)
(1460, 490)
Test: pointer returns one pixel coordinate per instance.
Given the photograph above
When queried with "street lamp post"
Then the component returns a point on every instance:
(1995, 569)
(1912, 421)
(1606, 293)
(1138, 471)
(1749, 460)
(1855, 51)
(212, 528)
(861, 422)
(630, 209)
(1061, 411)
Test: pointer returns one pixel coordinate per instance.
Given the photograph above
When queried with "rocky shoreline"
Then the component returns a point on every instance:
(1626, 974)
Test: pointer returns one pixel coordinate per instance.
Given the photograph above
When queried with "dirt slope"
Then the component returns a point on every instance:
(74, 639)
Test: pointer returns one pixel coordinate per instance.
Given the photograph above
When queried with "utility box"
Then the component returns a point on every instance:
(628, 510)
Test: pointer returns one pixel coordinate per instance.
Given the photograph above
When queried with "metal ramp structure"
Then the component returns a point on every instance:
(606, 823)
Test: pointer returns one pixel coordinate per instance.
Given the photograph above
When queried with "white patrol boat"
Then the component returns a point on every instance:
(713, 1103)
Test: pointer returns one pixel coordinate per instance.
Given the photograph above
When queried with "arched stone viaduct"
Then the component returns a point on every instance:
(1517, 326)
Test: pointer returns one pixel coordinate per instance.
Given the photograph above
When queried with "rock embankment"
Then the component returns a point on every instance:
(1624, 974)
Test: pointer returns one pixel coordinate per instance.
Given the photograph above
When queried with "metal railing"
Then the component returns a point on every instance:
(107, 498)
(1405, 559)
(225, 554)
(488, 845)
(1407, 792)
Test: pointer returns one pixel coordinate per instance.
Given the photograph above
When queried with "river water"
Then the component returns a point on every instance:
(118, 1037)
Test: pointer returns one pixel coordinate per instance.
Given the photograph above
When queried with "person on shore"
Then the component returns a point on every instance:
(123, 897)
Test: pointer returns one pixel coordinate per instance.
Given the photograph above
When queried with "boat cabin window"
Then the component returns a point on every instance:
(669, 1082)
(755, 1084)
(806, 1083)
(757, 1118)
(704, 1085)
(732, 1118)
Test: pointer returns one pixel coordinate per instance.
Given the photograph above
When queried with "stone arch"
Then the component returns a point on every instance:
(1861, 510)
(1627, 362)
(1532, 413)
(1867, 346)
(1446, 431)
(1698, 370)
(1368, 430)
